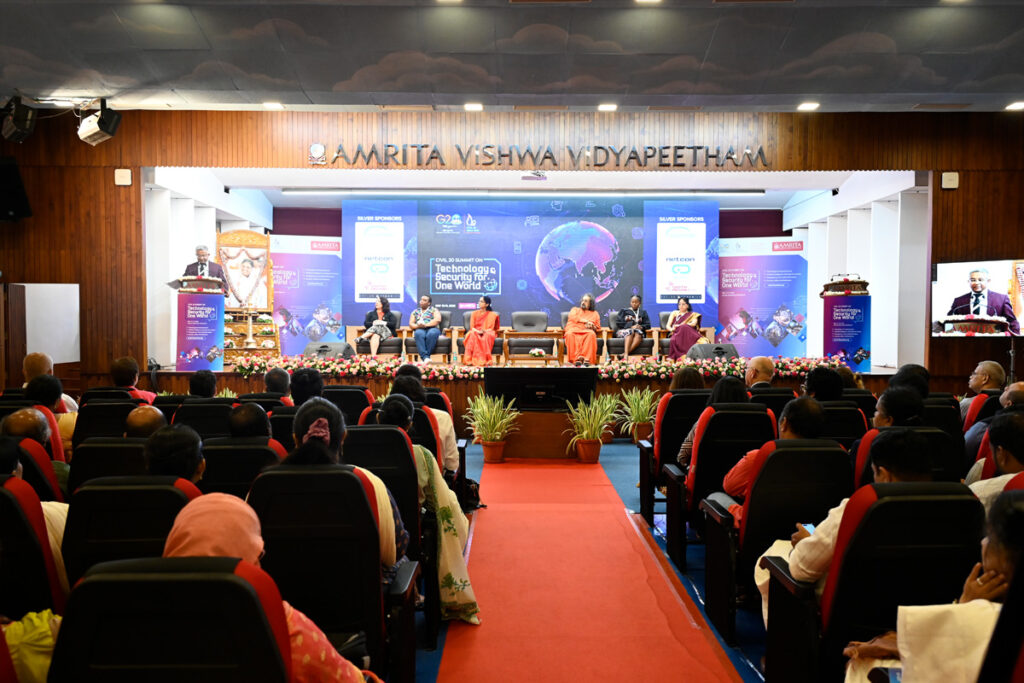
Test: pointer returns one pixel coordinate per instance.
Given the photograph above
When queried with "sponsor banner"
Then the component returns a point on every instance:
(307, 291)
(763, 305)
(848, 330)
(200, 332)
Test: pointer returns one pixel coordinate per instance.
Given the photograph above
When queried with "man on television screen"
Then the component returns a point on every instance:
(983, 301)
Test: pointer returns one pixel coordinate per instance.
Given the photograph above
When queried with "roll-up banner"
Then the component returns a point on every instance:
(848, 330)
(200, 332)
(307, 290)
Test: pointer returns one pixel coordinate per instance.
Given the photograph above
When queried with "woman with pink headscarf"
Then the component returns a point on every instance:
(220, 525)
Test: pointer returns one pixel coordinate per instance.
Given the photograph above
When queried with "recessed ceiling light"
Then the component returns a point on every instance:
(647, 2)
(808, 106)
(1015, 106)
(473, 106)
(448, 1)
(277, 106)
(607, 107)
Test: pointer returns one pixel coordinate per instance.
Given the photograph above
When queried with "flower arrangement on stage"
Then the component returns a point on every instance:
(537, 353)
(711, 368)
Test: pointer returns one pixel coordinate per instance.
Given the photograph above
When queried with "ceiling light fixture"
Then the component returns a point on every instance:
(275, 106)
(1015, 106)
(473, 106)
(18, 120)
(808, 106)
(299, 191)
(609, 106)
(99, 127)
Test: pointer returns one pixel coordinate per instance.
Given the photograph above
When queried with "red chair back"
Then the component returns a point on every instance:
(56, 445)
(37, 470)
(25, 557)
(982, 406)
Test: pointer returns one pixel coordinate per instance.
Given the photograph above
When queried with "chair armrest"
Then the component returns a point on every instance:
(401, 589)
(646, 453)
(675, 473)
(778, 569)
(716, 512)
(360, 330)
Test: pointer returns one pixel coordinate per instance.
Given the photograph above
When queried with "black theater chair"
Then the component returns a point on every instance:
(118, 393)
(983, 406)
(725, 433)
(439, 400)
(100, 419)
(208, 419)
(106, 456)
(323, 550)
(232, 464)
(168, 404)
(898, 544)
(174, 619)
(37, 471)
(945, 452)
(386, 451)
(864, 399)
(796, 480)
(617, 345)
(517, 340)
(460, 337)
(775, 398)
(268, 402)
(844, 422)
(27, 569)
(119, 518)
(444, 342)
(281, 429)
(677, 412)
(350, 399)
(944, 413)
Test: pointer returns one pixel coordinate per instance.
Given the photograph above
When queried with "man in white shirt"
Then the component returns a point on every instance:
(36, 364)
(1006, 438)
(897, 455)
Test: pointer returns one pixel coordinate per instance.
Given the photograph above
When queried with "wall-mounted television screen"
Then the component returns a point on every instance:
(977, 298)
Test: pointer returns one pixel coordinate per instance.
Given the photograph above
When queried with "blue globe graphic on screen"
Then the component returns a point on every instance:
(576, 258)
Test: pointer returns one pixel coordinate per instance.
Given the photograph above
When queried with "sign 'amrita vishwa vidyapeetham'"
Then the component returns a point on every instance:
(529, 156)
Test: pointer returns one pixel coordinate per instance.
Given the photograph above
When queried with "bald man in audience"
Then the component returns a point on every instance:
(29, 423)
(36, 364)
(988, 376)
(759, 374)
(143, 421)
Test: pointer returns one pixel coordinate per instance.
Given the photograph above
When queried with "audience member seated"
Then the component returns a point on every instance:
(36, 364)
(250, 421)
(988, 376)
(1006, 438)
(277, 381)
(29, 423)
(46, 390)
(897, 455)
(686, 378)
(898, 406)
(176, 450)
(125, 373)
(1011, 400)
(457, 598)
(237, 533)
(305, 383)
(802, 418)
(823, 384)
(948, 642)
(759, 373)
(319, 431)
(411, 388)
(581, 332)
(54, 514)
(913, 376)
(202, 384)
(142, 422)
(851, 379)
(728, 389)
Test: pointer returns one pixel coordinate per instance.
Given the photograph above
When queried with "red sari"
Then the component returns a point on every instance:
(581, 341)
(479, 346)
(685, 334)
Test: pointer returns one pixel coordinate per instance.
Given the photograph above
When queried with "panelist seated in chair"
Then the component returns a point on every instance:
(581, 332)
(634, 323)
(425, 323)
(897, 455)
(480, 335)
(924, 633)
(380, 323)
(237, 533)
(683, 326)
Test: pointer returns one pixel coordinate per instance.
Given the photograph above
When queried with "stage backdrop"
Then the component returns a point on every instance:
(529, 253)
(763, 296)
(307, 290)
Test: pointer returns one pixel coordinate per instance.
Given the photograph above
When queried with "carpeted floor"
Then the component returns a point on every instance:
(577, 593)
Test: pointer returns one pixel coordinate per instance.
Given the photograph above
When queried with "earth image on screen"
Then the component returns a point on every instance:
(579, 257)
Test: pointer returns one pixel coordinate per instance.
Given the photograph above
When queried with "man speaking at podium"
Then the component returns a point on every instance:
(983, 301)
(203, 267)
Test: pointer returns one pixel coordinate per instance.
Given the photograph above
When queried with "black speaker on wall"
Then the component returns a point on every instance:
(13, 200)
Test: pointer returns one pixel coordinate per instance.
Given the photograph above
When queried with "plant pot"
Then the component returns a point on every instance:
(588, 450)
(643, 431)
(494, 451)
(609, 434)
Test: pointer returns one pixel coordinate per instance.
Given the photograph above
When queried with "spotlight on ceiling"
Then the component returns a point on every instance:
(808, 106)
(99, 127)
(1015, 106)
(473, 106)
(534, 175)
(608, 106)
(19, 120)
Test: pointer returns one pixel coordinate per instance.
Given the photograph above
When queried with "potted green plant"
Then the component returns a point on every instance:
(637, 410)
(610, 405)
(491, 420)
(589, 421)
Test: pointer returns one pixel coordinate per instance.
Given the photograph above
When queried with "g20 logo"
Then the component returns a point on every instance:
(680, 269)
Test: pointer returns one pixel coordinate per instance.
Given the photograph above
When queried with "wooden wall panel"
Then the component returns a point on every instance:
(86, 230)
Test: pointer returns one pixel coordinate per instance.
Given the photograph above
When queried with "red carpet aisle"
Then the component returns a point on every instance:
(569, 590)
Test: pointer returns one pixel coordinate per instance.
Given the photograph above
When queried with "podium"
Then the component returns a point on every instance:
(200, 338)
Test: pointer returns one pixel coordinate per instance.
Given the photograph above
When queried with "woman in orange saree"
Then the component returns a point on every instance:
(483, 328)
(581, 332)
